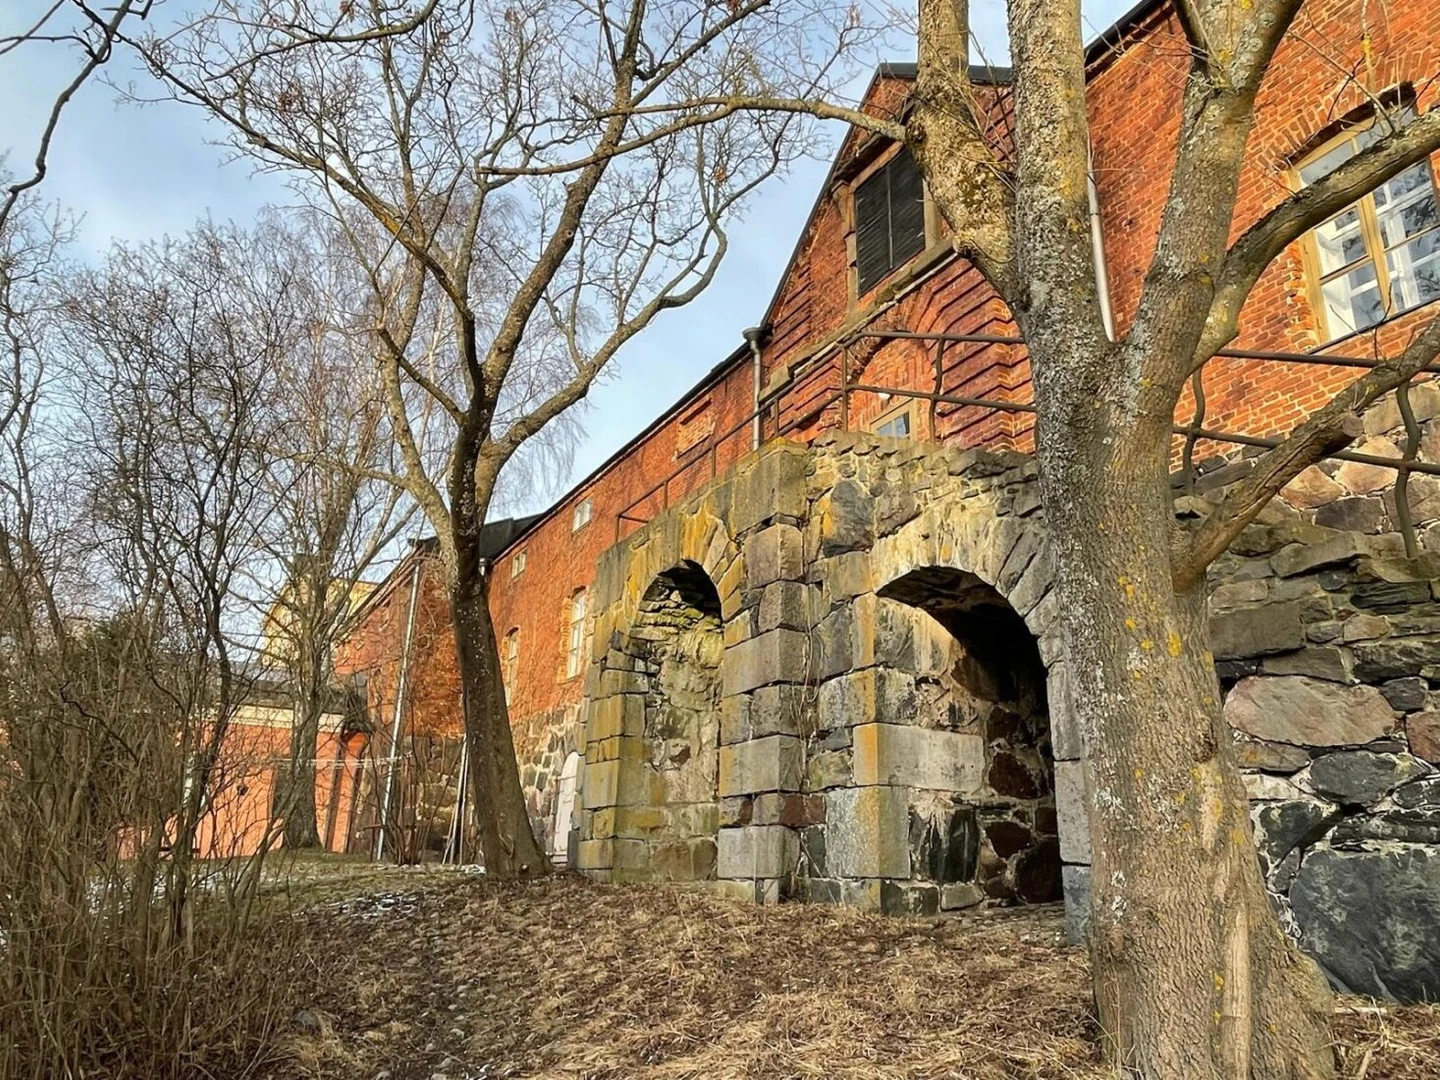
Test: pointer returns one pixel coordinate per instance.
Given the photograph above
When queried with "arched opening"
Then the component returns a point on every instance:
(565, 810)
(665, 826)
(1000, 838)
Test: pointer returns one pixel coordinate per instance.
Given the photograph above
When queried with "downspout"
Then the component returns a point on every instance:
(400, 684)
(752, 338)
(1097, 245)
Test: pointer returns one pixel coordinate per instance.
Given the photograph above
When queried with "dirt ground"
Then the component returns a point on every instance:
(434, 975)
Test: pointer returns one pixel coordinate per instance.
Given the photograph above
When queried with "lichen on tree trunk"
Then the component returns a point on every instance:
(1194, 978)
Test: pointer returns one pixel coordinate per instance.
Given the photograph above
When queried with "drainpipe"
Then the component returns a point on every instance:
(1097, 245)
(400, 681)
(752, 338)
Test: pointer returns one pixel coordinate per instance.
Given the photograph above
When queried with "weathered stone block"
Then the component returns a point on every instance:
(757, 851)
(785, 604)
(1066, 739)
(1280, 827)
(1072, 811)
(735, 723)
(862, 697)
(1270, 757)
(774, 554)
(844, 576)
(1308, 712)
(775, 763)
(845, 519)
(596, 854)
(1422, 731)
(1406, 695)
(1319, 662)
(1367, 917)
(1311, 489)
(776, 657)
(620, 714)
(1256, 631)
(957, 897)
(1364, 628)
(867, 832)
(778, 710)
(1395, 657)
(772, 486)
(1363, 776)
(1301, 558)
(1390, 597)
(827, 769)
(1236, 593)
(918, 757)
(1076, 883)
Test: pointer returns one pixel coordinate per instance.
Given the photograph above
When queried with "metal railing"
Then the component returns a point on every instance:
(772, 406)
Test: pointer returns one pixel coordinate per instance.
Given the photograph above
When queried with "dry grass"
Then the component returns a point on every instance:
(448, 974)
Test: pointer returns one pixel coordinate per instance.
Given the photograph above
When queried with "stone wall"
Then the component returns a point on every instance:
(883, 738)
(891, 724)
(1327, 642)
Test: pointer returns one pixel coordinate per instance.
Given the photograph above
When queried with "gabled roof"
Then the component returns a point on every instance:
(1108, 41)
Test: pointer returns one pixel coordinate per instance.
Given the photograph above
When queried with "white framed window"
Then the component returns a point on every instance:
(580, 517)
(1380, 256)
(510, 661)
(517, 564)
(575, 639)
(896, 424)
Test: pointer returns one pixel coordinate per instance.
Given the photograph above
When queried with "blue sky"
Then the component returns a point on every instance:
(134, 173)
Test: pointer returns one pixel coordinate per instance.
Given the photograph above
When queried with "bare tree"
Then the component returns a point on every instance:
(330, 515)
(535, 283)
(92, 31)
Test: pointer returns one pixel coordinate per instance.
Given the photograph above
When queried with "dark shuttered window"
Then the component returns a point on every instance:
(889, 220)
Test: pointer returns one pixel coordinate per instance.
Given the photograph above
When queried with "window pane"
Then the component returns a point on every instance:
(1327, 163)
(1414, 271)
(1405, 205)
(897, 427)
(1352, 301)
(1340, 240)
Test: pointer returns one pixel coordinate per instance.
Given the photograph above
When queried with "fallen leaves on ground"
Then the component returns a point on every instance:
(453, 976)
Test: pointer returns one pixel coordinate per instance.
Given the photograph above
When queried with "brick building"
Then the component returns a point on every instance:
(819, 315)
(739, 597)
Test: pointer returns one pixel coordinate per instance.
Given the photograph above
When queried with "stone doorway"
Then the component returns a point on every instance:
(998, 841)
(668, 812)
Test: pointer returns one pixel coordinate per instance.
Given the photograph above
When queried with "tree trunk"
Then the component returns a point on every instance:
(298, 803)
(1194, 977)
(506, 838)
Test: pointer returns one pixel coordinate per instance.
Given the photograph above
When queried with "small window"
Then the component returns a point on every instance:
(517, 564)
(895, 425)
(580, 517)
(575, 645)
(510, 661)
(889, 220)
(1379, 256)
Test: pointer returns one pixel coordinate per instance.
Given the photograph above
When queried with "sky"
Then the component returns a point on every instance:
(134, 173)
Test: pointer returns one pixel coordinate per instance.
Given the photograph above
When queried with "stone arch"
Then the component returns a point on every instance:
(665, 806)
(992, 833)
(980, 536)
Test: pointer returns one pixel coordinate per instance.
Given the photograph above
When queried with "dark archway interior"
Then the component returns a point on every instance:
(1004, 838)
(677, 643)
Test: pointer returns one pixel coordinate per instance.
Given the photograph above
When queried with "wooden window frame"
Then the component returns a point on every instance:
(906, 408)
(510, 662)
(1316, 278)
(576, 633)
(517, 564)
(584, 508)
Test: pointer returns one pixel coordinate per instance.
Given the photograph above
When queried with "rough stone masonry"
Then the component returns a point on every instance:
(835, 674)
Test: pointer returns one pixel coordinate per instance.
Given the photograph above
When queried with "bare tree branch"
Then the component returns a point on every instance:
(1331, 428)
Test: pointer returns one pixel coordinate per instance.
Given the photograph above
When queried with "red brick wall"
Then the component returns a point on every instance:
(374, 645)
(558, 561)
